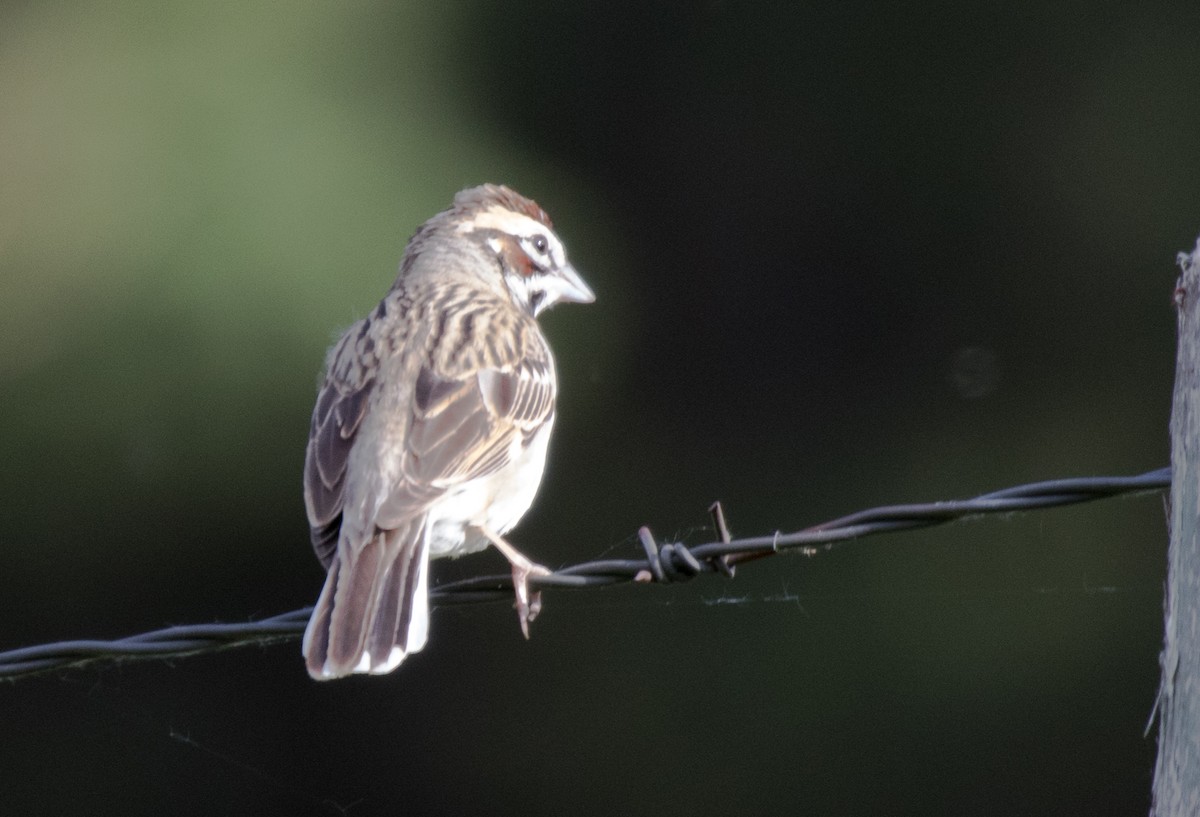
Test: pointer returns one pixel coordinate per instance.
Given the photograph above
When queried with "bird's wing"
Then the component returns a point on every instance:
(463, 426)
(341, 406)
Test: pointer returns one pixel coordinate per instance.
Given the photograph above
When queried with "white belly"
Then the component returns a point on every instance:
(496, 502)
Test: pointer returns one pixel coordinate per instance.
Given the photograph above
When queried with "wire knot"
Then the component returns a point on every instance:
(670, 562)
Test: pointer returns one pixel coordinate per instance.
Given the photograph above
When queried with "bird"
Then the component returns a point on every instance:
(430, 429)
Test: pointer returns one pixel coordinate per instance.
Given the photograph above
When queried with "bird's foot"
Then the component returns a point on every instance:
(528, 604)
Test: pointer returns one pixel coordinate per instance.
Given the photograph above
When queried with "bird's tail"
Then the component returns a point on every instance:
(374, 608)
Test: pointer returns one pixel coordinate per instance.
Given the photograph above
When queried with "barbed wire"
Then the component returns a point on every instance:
(659, 563)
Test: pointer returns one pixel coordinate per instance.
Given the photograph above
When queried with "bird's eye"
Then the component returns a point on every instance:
(540, 243)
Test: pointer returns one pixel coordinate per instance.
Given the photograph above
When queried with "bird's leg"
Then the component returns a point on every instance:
(528, 604)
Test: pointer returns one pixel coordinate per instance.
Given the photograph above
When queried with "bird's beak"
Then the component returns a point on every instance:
(566, 285)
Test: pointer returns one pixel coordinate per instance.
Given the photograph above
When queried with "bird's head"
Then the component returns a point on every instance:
(519, 235)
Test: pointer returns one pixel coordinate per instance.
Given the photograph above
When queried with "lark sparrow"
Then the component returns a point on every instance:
(430, 430)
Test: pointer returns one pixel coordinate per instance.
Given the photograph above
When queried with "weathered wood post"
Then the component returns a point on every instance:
(1177, 771)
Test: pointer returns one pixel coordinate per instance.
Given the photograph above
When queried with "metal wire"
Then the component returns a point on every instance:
(665, 562)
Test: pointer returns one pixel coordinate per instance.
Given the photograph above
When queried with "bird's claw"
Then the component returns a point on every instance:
(528, 604)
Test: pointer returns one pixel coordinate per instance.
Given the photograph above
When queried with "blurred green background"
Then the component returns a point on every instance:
(845, 254)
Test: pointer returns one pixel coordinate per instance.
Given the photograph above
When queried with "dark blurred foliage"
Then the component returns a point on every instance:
(846, 254)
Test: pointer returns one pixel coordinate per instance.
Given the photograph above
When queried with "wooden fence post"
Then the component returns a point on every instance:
(1177, 771)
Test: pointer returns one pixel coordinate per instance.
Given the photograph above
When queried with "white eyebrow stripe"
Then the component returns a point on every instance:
(500, 218)
(515, 224)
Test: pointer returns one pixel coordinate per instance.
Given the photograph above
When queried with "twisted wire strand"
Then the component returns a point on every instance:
(659, 563)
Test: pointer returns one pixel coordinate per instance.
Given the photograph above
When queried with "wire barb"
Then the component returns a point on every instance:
(665, 563)
(721, 562)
